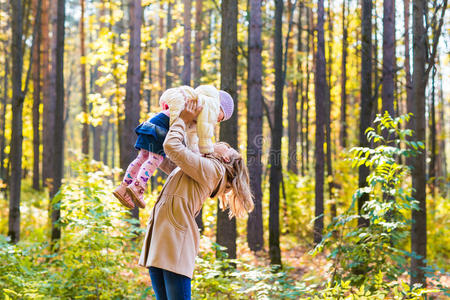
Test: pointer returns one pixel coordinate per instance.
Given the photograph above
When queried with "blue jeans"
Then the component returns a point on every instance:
(170, 286)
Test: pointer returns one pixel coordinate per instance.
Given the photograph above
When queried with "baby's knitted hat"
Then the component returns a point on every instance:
(227, 104)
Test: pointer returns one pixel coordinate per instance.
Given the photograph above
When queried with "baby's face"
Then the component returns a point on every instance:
(221, 116)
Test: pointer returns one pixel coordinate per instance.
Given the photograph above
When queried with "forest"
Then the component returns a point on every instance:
(340, 110)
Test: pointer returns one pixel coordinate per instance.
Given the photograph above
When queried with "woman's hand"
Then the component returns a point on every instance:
(190, 112)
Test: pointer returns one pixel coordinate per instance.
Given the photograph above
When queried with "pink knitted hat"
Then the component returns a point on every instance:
(227, 104)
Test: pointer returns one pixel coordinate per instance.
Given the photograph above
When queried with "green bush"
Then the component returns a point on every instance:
(96, 256)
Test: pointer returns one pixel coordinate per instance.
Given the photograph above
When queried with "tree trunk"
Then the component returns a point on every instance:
(226, 229)
(292, 96)
(186, 73)
(275, 148)
(330, 182)
(432, 142)
(198, 43)
(36, 102)
(161, 51)
(388, 56)
(441, 167)
(308, 77)
(48, 115)
(419, 217)
(168, 50)
(58, 146)
(300, 83)
(133, 85)
(96, 141)
(16, 125)
(321, 88)
(406, 14)
(343, 131)
(366, 95)
(84, 108)
(254, 125)
(3, 117)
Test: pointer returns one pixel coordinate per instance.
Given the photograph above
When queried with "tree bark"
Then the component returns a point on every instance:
(301, 82)
(198, 43)
(161, 51)
(84, 108)
(133, 85)
(186, 73)
(254, 125)
(48, 113)
(366, 95)
(328, 118)
(58, 146)
(36, 101)
(310, 48)
(226, 229)
(3, 117)
(169, 70)
(388, 57)
(321, 88)
(16, 125)
(406, 15)
(275, 148)
(343, 131)
(292, 96)
(419, 217)
(432, 142)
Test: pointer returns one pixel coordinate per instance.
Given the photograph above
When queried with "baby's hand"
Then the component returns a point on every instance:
(191, 111)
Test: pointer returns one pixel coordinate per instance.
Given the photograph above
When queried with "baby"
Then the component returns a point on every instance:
(217, 105)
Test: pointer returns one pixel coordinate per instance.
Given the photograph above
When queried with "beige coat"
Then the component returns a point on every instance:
(172, 238)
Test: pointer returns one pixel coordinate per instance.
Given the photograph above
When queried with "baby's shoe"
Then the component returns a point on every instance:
(121, 194)
(137, 193)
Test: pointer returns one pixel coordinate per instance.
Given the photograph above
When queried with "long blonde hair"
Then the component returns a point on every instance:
(235, 194)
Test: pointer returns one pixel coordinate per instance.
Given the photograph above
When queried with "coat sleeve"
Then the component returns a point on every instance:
(167, 166)
(201, 169)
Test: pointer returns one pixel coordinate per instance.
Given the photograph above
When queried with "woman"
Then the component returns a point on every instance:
(172, 238)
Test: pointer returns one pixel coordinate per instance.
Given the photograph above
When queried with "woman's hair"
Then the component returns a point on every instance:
(236, 195)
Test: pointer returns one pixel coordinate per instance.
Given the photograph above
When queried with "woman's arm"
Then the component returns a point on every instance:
(201, 169)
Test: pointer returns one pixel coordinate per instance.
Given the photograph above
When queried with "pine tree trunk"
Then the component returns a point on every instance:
(36, 102)
(292, 107)
(328, 118)
(48, 75)
(310, 48)
(161, 51)
(275, 148)
(198, 42)
(254, 125)
(343, 131)
(17, 108)
(419, 217)
(186, 73)
(58, 158)
(321, 88)
(3, 117)
(388, 56)
(84, 108)
(300, 83)
(366, 94)
(169, 58)
(133, 85)
(432, 141)
(406, 14)
(226, 229)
